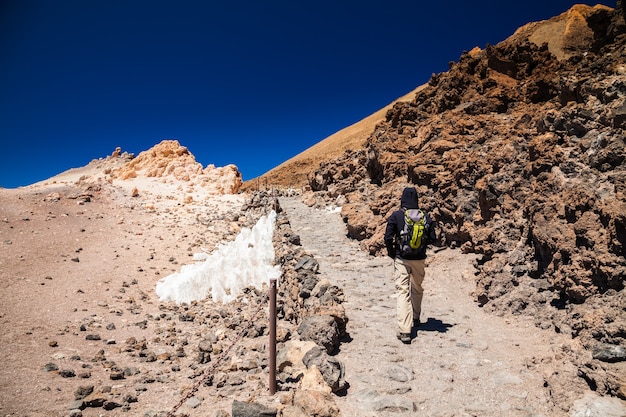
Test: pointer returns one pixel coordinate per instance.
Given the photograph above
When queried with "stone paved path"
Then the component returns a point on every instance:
(462, 362)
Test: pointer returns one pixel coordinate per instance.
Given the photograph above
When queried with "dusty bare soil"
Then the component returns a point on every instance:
(76, 263)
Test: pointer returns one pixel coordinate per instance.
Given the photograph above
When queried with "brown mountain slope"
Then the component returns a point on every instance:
(520, 156)
(294, 172)
(565, 35)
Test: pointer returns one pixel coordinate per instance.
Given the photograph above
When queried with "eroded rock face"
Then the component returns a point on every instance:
(170, 159)
(520, 157)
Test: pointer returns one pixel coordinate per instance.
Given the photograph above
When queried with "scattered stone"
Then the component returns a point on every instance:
(395, 403)
(187, 317)
(129, 398)
(292, 353)
(400, 373)
(83, 391)
(67, 373)
(95, 400)
(236, 379)
(313, 380)
(93, 337)
(77, 405)
(307, 263)
(315, 403)
(592, 405)
(205, 347)
(294, 239)
(99, 356)
(163, 356)
(148, 356)
(248, 365)
(49, 367)
(111, 405)
(609, 353)
(307, 286)
(193, 402)
(322, 330)
(53, 343)
(331, 369)
(116, 374)
(130, 371)
(246, 409)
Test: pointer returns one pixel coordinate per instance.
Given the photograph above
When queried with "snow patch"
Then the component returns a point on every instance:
(246, 261)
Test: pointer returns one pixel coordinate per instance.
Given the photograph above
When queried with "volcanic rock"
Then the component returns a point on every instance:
(243, 409)
(519, 154)
(169, 159)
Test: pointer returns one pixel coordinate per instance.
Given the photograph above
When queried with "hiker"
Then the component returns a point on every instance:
(406, 239)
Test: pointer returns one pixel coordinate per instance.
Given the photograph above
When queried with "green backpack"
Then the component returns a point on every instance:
(412, 240)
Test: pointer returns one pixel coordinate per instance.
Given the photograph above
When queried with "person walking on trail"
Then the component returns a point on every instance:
(408, 232)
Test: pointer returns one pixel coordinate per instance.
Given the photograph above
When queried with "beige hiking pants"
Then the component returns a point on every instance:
(408, 275)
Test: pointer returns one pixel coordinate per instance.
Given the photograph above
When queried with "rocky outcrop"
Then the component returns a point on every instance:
(169, 159)
(520, 157)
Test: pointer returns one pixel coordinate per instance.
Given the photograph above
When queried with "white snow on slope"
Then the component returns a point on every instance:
(233, 266)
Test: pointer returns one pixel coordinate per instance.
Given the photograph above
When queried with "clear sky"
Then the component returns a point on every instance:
(251, 83)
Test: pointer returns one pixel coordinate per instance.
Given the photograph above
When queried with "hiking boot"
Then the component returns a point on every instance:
(405, 338)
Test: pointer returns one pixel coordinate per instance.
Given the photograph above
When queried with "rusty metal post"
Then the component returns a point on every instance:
(272, 363)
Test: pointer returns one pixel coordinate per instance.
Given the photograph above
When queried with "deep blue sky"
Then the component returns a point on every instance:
(246, 82)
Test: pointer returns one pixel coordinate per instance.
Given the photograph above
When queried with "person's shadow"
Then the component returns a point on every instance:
(432, 325)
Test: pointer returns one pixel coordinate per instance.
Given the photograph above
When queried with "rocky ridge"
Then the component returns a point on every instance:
(169, 160)
(520, 156)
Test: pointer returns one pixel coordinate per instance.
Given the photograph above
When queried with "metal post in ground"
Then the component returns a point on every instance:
(272, 361)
